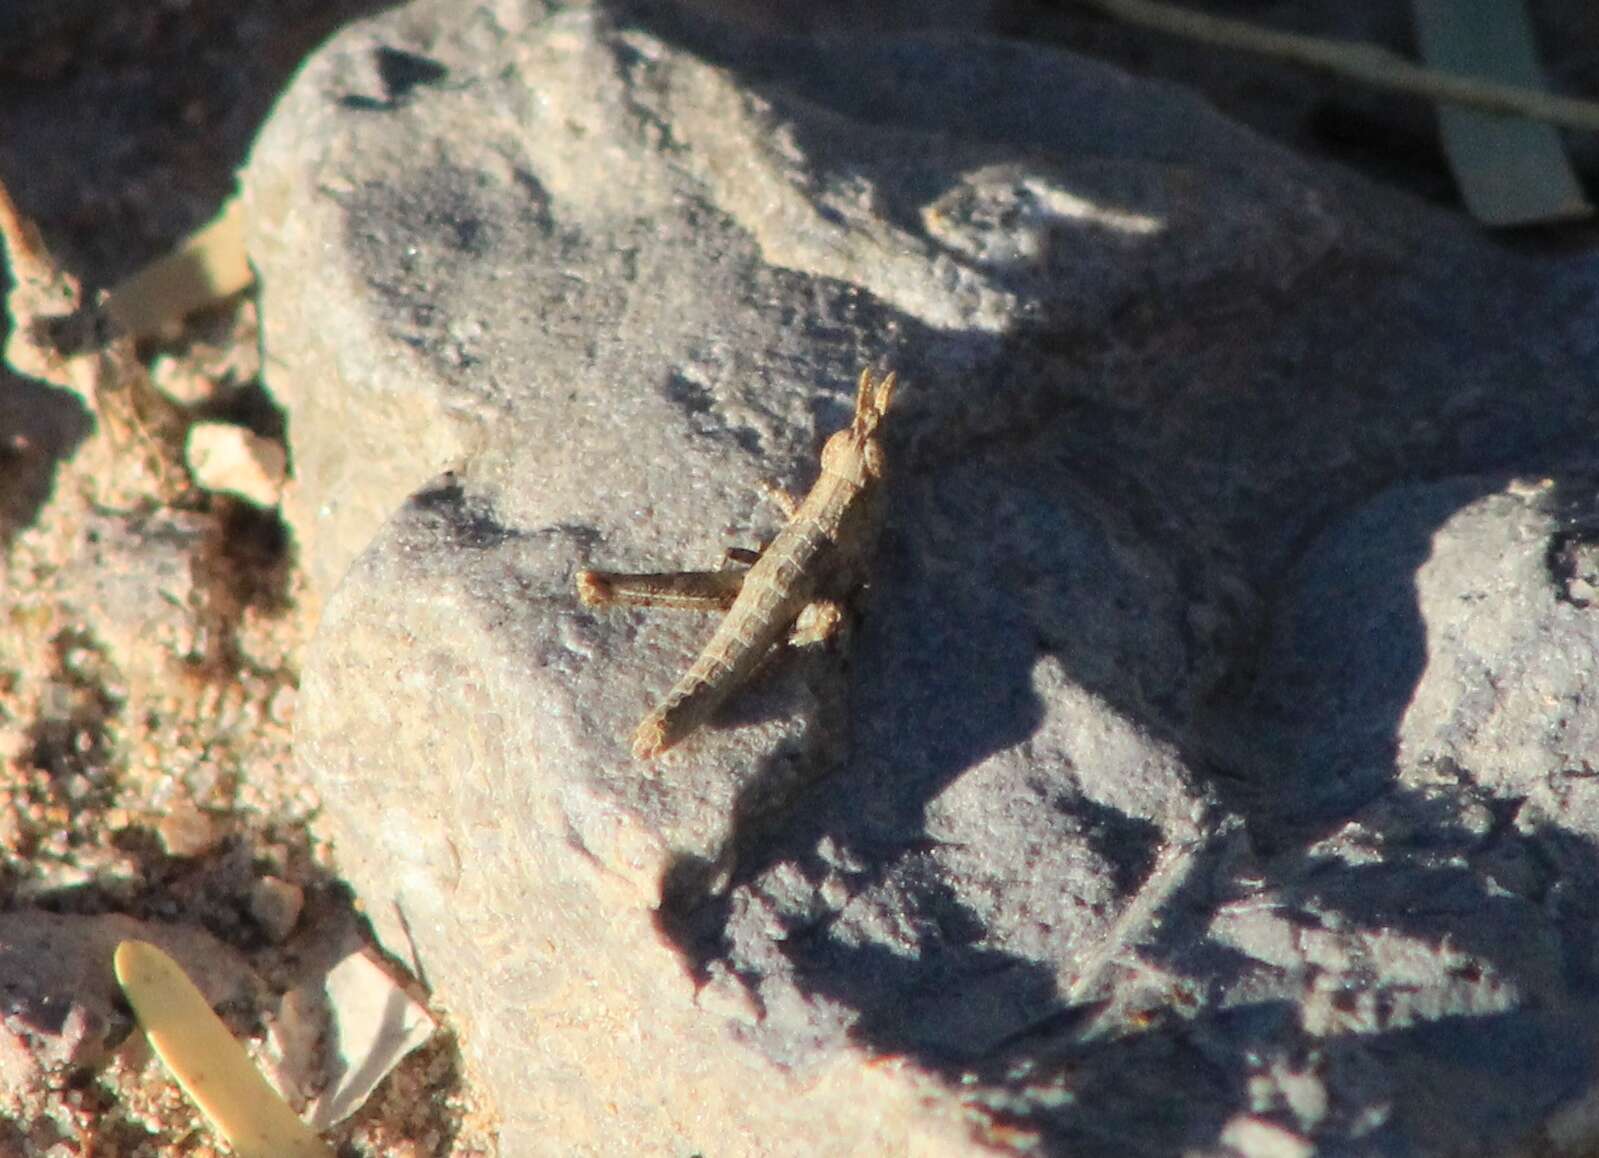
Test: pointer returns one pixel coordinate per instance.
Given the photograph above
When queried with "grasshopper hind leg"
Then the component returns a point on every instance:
(682, 590)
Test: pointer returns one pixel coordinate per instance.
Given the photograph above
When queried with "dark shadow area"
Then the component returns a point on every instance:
(469, 523)
(72, 738)
(40, 426)
(122, 128)
(1383, 135)
(1456, 1083)
(1322, 737)
(248, 562)
(1573, 558)
(1285, 478)
(399, 73)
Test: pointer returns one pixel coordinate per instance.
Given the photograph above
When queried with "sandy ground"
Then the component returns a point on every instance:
(153, 629)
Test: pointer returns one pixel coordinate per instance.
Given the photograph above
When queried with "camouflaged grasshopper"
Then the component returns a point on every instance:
(798, 581)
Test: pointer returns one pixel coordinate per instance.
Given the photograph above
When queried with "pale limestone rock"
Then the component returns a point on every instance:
(373, 1024)
(1064, 850)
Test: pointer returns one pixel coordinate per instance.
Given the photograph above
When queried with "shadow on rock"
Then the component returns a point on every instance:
(40, 427)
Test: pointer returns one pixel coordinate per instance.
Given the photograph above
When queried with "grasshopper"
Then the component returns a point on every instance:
(800, 578)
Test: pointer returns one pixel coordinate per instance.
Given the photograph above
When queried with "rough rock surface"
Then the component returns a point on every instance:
(1208, 769)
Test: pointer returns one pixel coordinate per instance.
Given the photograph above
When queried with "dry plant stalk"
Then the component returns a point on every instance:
(213, 1068)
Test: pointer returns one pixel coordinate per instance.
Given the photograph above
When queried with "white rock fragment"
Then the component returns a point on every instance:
(181, 381)
(374, 1024)
(1258, 1138)
(293, 1053)
(231, 460)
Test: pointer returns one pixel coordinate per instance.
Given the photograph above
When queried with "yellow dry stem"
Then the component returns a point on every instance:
(210, 1065)
(206, 267)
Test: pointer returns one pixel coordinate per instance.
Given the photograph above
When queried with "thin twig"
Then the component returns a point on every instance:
(1365, 63)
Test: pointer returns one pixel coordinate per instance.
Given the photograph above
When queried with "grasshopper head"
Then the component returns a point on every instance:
(871, 402)
(853, 452)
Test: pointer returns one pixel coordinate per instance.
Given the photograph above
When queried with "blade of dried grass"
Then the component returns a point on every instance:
(209, 1064)
(206, 267)
(1511, 171)
(1365, 63)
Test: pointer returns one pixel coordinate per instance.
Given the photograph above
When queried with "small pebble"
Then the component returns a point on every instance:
(186, 831)
(275, 905)
(232, 460)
